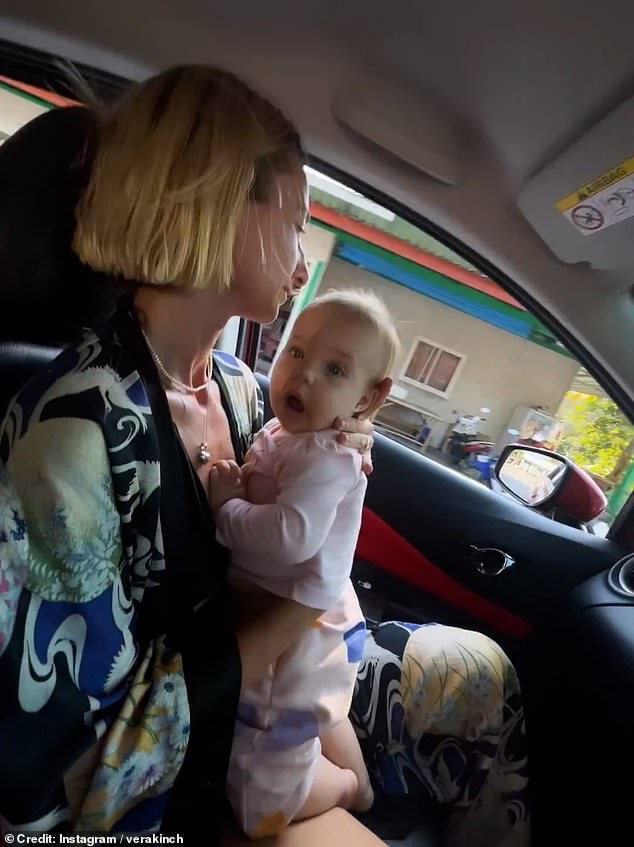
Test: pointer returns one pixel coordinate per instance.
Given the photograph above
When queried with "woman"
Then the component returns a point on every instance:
(121, 653)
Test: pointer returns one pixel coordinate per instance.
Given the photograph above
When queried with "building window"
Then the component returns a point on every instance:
(433, 367)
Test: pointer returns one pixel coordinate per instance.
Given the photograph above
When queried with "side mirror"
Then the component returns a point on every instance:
(549, 481)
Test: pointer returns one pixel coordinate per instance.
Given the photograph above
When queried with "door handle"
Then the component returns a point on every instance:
(490, 561)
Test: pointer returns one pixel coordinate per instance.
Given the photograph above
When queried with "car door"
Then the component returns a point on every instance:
(426, 529)
(425, 539)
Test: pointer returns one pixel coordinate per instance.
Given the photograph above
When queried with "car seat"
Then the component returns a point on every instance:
(46, 294)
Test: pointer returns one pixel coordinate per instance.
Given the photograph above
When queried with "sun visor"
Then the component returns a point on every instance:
(408, 123)
(582, 203)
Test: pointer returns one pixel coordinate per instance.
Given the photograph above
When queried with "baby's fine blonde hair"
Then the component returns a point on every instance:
(367, 306)
(177, 160)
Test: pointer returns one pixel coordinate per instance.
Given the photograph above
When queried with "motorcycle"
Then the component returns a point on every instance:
(482, 462)
(464, 442)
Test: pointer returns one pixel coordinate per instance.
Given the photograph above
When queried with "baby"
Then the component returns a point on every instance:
(292, 530)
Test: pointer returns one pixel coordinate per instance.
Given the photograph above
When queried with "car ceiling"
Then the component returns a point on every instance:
(517, 82)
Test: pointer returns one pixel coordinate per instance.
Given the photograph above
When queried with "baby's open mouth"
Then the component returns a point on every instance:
(294, 403)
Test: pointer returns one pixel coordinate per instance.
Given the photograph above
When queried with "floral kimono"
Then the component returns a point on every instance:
(95, 709)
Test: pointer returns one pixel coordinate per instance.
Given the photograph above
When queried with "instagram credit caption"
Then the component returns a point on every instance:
(24, 838)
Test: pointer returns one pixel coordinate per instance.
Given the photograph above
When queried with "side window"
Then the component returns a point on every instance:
(475, 366)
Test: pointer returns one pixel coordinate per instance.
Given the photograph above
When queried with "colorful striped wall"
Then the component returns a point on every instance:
(493, 310)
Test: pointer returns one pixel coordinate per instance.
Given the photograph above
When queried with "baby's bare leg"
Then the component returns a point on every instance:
(341, 746)
(332, 786)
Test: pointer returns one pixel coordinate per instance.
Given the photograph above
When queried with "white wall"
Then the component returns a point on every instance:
(501, 370)
(318, 243)
(16, 111)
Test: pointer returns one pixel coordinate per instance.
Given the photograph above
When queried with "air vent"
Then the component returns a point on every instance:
(621, 576)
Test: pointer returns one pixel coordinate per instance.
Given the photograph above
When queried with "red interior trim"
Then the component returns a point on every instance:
(382, 546)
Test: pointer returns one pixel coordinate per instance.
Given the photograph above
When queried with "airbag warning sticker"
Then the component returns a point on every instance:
(607, 200)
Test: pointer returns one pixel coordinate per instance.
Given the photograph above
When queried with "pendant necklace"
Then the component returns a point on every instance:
(203, 455)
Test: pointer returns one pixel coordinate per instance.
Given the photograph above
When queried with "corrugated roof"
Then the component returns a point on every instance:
(397, 227)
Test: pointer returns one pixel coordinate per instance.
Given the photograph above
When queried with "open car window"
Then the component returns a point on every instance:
(476, 367)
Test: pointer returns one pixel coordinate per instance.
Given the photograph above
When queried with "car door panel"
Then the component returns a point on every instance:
(441, 514)
(420, 522)
(382, 548)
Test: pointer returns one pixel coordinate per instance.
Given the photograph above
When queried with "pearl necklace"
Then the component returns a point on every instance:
(203, 455)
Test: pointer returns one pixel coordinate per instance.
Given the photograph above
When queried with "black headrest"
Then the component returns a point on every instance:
(18, 363)
(46, 294)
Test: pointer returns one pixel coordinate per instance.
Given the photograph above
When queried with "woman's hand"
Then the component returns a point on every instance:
(225, 483)
(358, 433)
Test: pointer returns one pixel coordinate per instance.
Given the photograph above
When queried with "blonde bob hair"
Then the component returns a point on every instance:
(176, 161)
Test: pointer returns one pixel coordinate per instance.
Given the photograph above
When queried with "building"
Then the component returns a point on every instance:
(466, 343)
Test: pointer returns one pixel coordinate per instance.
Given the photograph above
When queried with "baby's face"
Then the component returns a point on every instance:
(327, 370)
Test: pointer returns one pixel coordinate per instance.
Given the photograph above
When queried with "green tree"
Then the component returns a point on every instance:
(599, 438)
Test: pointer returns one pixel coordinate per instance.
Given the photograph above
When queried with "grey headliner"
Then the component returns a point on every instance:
(522, 78)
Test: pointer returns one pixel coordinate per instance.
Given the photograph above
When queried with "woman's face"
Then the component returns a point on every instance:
(269, 262)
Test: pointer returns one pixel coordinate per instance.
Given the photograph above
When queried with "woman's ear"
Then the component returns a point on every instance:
(371, 402)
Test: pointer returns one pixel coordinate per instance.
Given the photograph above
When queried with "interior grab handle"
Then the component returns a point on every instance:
(490, 561)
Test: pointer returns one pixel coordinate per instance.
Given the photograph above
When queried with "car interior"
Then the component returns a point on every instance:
(476, 122)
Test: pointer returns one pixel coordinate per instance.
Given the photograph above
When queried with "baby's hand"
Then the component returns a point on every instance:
(225, 483)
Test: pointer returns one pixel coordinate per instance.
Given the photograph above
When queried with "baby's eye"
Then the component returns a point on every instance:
(335, 370)
(295, 353)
